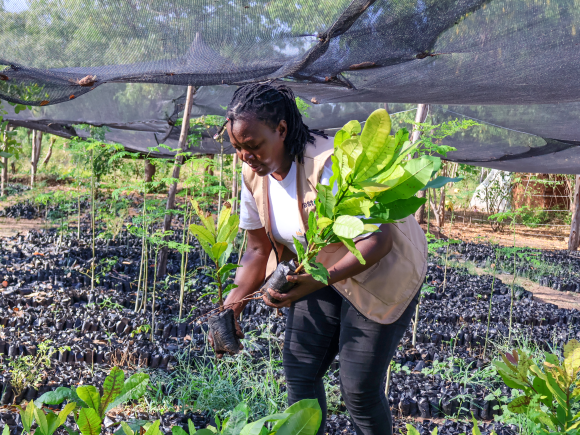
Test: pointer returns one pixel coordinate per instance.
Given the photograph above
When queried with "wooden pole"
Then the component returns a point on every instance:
(4, 162)
(35, 154)
(422, 110)
(179, 159)
(574, 240)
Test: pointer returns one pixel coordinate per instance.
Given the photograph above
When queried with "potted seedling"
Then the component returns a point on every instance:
(376, 183)
(216, 239)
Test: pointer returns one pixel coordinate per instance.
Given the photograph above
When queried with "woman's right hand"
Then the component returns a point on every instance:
(239, 334)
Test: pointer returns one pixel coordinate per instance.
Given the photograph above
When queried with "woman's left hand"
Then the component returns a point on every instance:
(305, 285)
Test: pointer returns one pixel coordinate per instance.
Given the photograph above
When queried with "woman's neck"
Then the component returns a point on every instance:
(283, 171)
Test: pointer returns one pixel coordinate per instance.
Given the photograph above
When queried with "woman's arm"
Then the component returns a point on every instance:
(250, 277)
(372, 248)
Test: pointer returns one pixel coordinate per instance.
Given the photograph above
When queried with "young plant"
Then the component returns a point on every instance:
(302, 418)
(47, 423)
(551, 396)
(217, 240)
(374, 178)
(93, 406)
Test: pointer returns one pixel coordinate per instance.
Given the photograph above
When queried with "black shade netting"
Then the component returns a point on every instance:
(431, 51)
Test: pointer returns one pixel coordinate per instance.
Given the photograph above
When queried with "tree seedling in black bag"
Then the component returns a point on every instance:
(376, 184)
(216, 239)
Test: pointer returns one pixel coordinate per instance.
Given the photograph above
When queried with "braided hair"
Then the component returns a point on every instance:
(271, 104)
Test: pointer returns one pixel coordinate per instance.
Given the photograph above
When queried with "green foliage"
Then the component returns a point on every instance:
(92, 406)
(375, 178)
(474, 431)
(217, 240)
(27, 371)
(47, 423)
(550, 396)
(303, 107)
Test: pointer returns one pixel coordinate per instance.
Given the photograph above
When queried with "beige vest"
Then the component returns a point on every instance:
(380, 293)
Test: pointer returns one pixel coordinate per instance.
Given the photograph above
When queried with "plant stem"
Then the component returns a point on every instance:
(153, 301)
(93, 217)
(489, 310)
(416, 322)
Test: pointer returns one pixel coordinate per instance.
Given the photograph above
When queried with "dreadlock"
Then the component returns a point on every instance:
(271, 104)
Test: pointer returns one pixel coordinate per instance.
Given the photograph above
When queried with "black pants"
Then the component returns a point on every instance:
(322, 325)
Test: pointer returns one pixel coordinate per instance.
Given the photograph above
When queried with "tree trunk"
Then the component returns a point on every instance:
(35, 155)
(422, 110)
(49, 153)
(149, 171)
(235, 184)
(179, 159)
(13, 166)
(574, 240)
(4, 178)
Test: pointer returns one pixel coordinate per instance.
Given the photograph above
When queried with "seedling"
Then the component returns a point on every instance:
(217, 239)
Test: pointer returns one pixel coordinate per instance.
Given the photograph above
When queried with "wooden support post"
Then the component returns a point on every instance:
(35, 154)
(574, 240)
(149, 171)
(422, 110)
(179, 159)
(4, 163)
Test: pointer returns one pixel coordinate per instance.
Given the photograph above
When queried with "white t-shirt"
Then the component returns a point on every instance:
(284, 211)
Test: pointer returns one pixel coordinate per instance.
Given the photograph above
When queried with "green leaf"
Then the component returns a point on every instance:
(217, 250)
(519, 405)
(229, 288)
(570, 347)
(207, 221)
(349, 243)
(348, 227)
(62, 415)
(352, 128)
(90, 396)
(371, 228)
(395, 211)
(41, 421)
(340, 137)
(201, 233)
(52, 420)
(256, 427)
(354, 207)
(224, 215)
(325, 201)
(229, 230)
(128, 431)
(71, 431)
(133, 389)
(237, 420)
(111, 388)
(540, 386)
(55, 397)
(27, 416)
(6, 430)
(407, 180)
(5, 154)
(335, 171)
(191, 427)
(318, 271)
(205, 432)
(89, 422)
(154, 428)
(475, 430)
(299, 249)
(312, 227)
(438, 182)
(304, 422)
(378, 146)
(225, 269)
(323, 222)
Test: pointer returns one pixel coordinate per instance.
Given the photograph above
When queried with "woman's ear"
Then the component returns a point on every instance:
(282, 129)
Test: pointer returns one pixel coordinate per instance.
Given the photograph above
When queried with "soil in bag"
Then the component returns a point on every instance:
(277, 281)
(222, 328)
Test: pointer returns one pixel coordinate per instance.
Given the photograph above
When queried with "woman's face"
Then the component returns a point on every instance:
(260, 146)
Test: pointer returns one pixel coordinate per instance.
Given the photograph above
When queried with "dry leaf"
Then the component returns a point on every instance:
(44, 102)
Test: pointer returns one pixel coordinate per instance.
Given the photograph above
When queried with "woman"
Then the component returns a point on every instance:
(364, 311)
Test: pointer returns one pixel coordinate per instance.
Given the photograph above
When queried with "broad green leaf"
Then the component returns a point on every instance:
(318, 271)
(572, 363)
(540, 386)
(340, 137)
(354, 207)
(411, 430)
(74, 397)
(519, 405)
(6, 430)
(225, 269)
(349, 243)
(325, 201)
(41, 421)
(407, 180)
(371, 228)
(128, 431)
(237, 420)
(55, 397)
(218, 249)
(559, 395)
(154, 428)
(336, 178)
(299, 249)
(206, 220)
(90, 395)
(352, 127)
(438, 182)
(205, 432)
(229, 230)
(89, 422)
(303, 422)
(395, 211)
(201, 233)
(352, 148)
(191, 427)
(302, 404)
(111, 388)
(312, 227)
(52, 421)
(475, 430)
(570, 347)
(27, 416)
(62, 415)
(133, 389)
(207, 248)
(225, 213)
(379, 147)
(348, 227)
(256, 427)
(323, 222)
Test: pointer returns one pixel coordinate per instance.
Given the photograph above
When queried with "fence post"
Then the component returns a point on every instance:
(574, 239)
